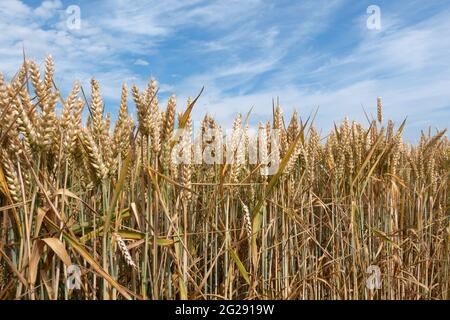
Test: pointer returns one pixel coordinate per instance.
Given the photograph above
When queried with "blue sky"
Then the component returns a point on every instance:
(308, 53)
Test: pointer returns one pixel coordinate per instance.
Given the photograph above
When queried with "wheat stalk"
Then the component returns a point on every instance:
(351, 198)
(124, 250)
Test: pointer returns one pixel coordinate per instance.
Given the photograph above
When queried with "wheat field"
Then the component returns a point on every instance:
(95, 210)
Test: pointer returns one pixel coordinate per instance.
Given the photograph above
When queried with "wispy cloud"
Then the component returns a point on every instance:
(48, 8)
(246, 53)
(141, 62)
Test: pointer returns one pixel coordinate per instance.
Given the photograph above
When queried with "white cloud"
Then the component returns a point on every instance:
(141, 62)
(48, 8)
(14, 9)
